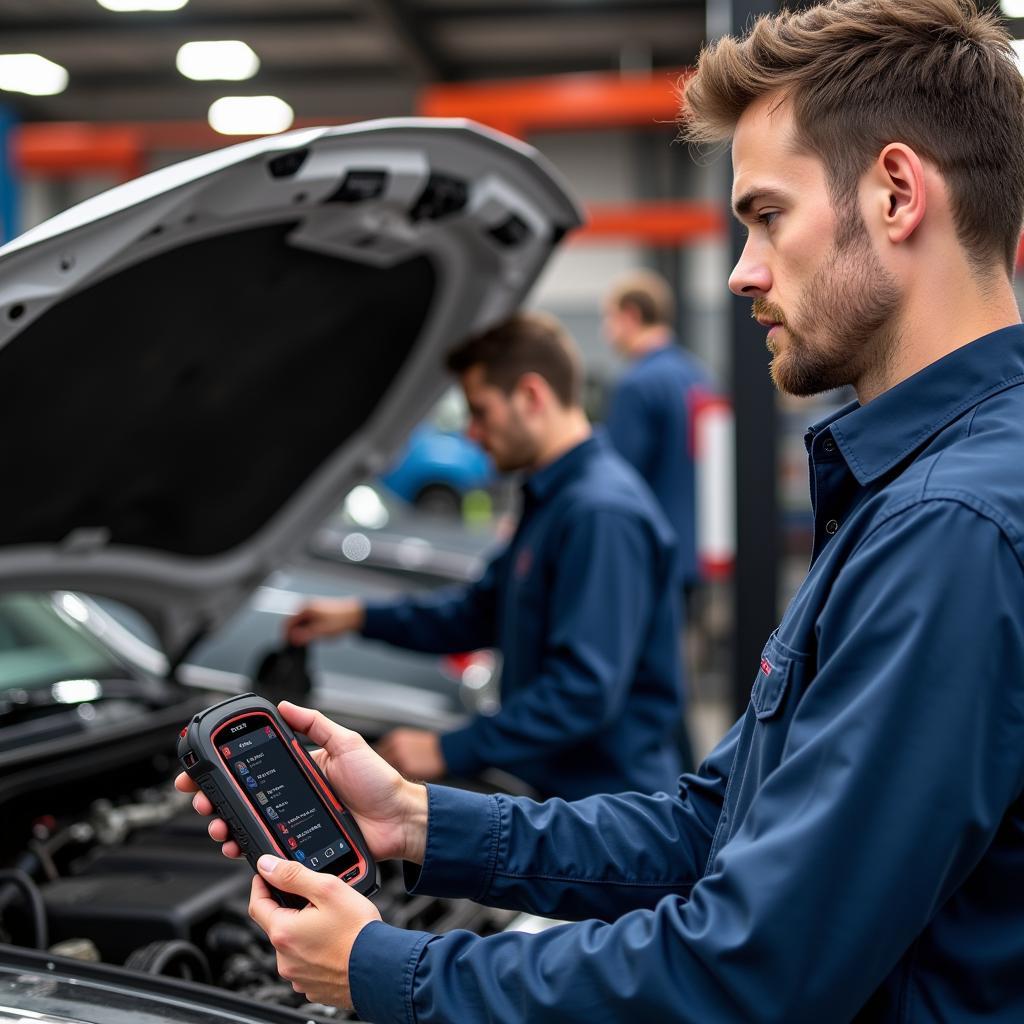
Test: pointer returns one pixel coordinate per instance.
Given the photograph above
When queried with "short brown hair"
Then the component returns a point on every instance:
(525, 343)
(649, 294)
(860, 74)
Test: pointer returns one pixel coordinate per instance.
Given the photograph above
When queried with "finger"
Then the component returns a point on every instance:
(262, 905)
(218, 830)
(232, 850)
(201, 804)
(289, 876)
(184, 784)
(334, 738)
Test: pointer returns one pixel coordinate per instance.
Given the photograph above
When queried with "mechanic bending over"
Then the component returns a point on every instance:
(854, 847)
(581, 603)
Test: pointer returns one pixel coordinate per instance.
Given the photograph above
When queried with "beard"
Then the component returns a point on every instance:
(517, 449)
(849, 308)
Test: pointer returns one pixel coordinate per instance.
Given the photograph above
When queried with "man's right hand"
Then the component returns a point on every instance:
(390, 810)
(324, 617)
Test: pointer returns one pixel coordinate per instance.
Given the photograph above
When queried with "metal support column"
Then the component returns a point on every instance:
(758, 546)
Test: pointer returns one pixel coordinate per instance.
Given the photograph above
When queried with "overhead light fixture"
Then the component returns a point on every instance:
(29, 73)
(1012, 8)
(224, 59)
(124, 6)
(250, 115)
(1018, 49)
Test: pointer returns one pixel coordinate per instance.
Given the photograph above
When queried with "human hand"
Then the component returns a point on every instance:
(416, 753)
(313, 944)
(324, 617)
(391, 812)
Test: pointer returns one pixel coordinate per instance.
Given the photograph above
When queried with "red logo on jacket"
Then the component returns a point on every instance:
(524, 562)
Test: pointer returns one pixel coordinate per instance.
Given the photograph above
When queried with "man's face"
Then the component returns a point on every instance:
(812, 272)
(499, 422)
(617, 324)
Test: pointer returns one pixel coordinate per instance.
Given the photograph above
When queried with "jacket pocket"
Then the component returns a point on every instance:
(773, 678)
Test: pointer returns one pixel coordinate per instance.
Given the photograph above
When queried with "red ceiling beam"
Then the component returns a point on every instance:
(61, 149)
(560, 102)
(658, 223)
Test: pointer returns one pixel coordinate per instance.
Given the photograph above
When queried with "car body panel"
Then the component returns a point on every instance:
(210, 355)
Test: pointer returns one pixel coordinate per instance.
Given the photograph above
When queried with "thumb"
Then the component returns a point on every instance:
(288, 876)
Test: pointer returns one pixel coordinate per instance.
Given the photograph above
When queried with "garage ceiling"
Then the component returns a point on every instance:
(332, 59)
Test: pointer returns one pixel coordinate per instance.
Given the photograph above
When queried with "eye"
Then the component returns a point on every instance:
(767, 218)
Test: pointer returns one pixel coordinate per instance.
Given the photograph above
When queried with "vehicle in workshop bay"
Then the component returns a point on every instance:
(372, 547)
(439, 465)
(230, 360)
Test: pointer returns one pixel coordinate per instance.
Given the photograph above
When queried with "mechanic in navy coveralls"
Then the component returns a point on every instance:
(650, 412)
(580, 603)
(854, 847)
(651, 417)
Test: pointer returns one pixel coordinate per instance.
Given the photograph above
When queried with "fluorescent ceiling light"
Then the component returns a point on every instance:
(250, 115)
(142, 5)
(32, 74)
(1012, 8)
(1018, 49)
(226, 59)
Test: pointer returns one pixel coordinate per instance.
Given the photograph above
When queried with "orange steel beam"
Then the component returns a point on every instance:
(560, 101)
(66, 150)
(659, 223)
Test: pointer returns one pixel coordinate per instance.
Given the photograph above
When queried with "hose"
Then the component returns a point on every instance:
(174, 958)
(34, 901)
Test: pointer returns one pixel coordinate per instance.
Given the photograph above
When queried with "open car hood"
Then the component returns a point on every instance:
(197, 365)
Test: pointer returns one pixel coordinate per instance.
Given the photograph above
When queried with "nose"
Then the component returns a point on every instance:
(750, 278)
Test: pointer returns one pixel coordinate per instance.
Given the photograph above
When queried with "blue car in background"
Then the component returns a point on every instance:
(439, 464)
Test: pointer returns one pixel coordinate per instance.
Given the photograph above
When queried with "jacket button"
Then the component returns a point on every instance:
(829, 446)
(831, 526)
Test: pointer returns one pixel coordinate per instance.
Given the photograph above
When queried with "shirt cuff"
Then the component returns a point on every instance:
(459, 753)
(378, 621)
(381, 968)
(463, 837)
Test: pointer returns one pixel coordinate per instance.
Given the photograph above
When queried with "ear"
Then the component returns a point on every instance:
(902, 193)
(534, 390)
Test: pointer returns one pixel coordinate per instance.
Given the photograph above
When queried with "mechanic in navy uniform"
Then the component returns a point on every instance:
(853, 850)
(651, 409)
(650, 421)
(581, 602)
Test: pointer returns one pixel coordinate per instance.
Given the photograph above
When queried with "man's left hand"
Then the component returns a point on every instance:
(313, 944)
(416, 753)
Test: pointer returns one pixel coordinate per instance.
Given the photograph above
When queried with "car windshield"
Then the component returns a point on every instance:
(41, 643)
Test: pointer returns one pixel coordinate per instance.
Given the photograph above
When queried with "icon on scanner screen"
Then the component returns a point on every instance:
(314, 861)
(293, 844)
(240, 768)
(251, 782)
(271, 813)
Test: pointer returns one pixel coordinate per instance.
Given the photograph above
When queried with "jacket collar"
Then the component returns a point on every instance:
(874, 438)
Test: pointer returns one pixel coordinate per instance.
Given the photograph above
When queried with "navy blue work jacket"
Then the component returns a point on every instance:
(581, 605)
(650, 423)
(854, 848)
